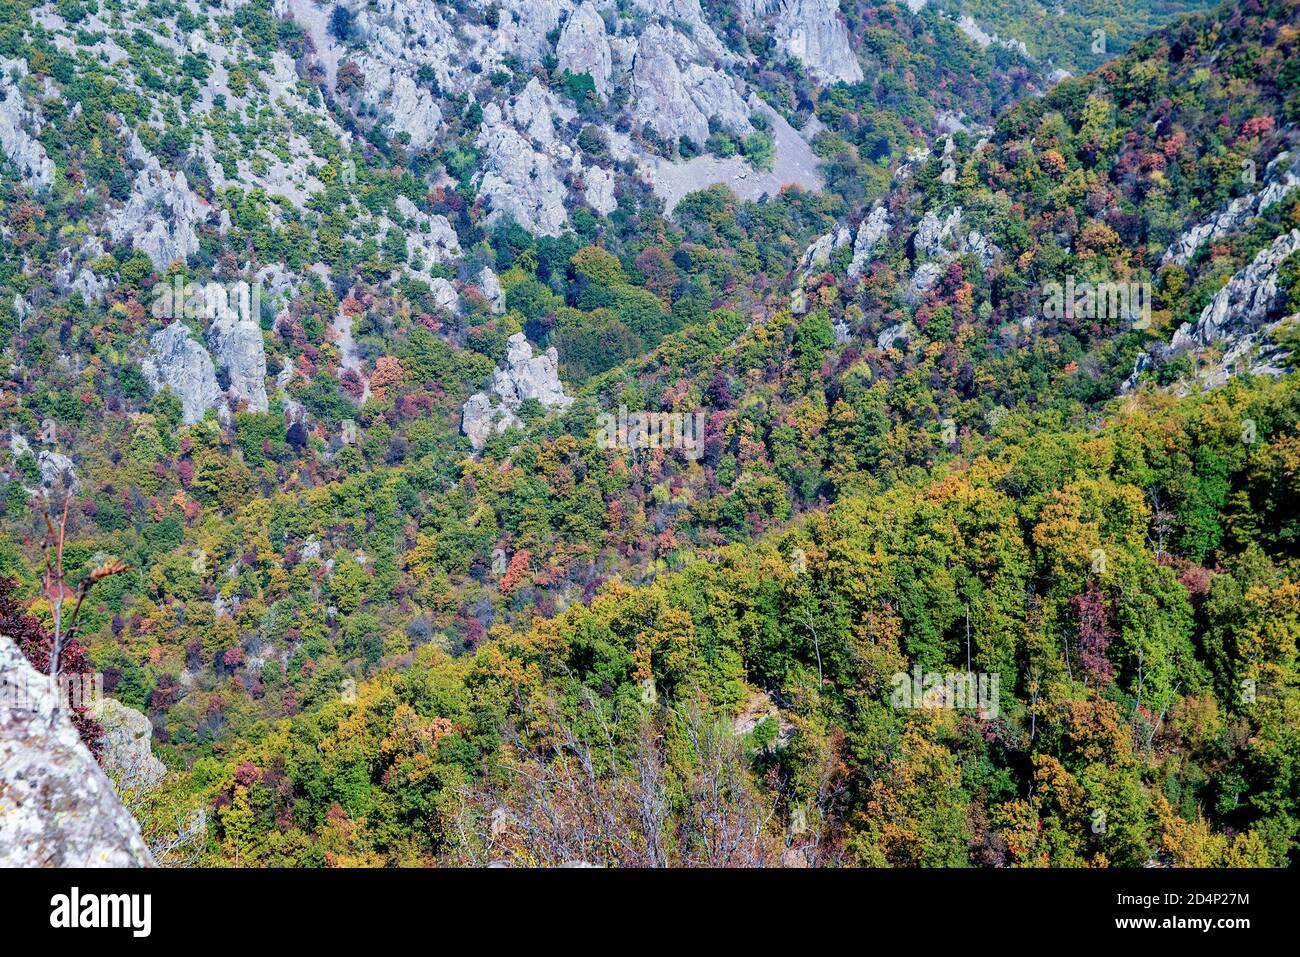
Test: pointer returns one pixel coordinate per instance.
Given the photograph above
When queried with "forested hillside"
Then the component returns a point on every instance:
(949, 563)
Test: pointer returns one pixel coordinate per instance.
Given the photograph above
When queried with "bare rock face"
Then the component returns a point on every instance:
(812, 32)
(660, 97)
(519, 181)
(57, 806)
(818, 254)
(871, 231)
(1238, 324)
(676, 96)
(433, 238)
(600, 190)
(18, 128)
(941, 240)
(523, 376)
(480, 419)
(445, 295)
(162, 215)
(1250, 298)
(935, 235)
(57, 470)
(128, 756)
(1281, 177)
(523, 28)
(584, 48)
(490, 284)
(688, 12)
(176, 360)
(238, 347)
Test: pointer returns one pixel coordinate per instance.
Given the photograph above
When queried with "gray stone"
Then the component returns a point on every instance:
(491, 288)
(177, 361)
(1246, 302)
(57, 806)
(599, 190)
(818, 254)
(18, 128)
(518, 181)
(57, 470)
(162, 215)
(812, 32)
(583, 47)
(1281, 177)
(523, 376)
(127, 756)
(237, 345)
(872, 229)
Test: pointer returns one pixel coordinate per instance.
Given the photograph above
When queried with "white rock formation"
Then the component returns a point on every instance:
(490, 285)
(57, 470)
(518, 181)
(812, 32)
(584, 48)
(941, 240)
(57, 807)
(688, 12)
(176, 360)
(162, 215)
(871, 231)
(522, 377)
(818, 254)
(599, 189)
(675, 96)
(237, 346)
(432, 237)
(18, 128)
(984, 39)
(1248, 300)
(934, 236)
(1281, 177)
(127, 755)
(445, 295)
(923, 279)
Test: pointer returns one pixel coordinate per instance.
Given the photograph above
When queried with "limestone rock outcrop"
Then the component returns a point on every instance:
(127, 755)
(177, 361)
(237, 347)
(600, 190)
(871, 231)
(519, 181)
(57, 470)
(18, 128)
(818, 254)
(584, 48)
(523, 376)
(812, 32)
(1249, 299)
(490, 285)
(1281, 177)
(57, 806)
(1238, 324)
(162, 215)
(432, 239)
(676, 96)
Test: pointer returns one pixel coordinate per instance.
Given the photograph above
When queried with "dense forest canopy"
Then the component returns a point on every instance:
(932, 574)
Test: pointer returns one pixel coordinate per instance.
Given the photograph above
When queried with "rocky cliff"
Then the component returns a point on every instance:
(521, 377)
(57, 806)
